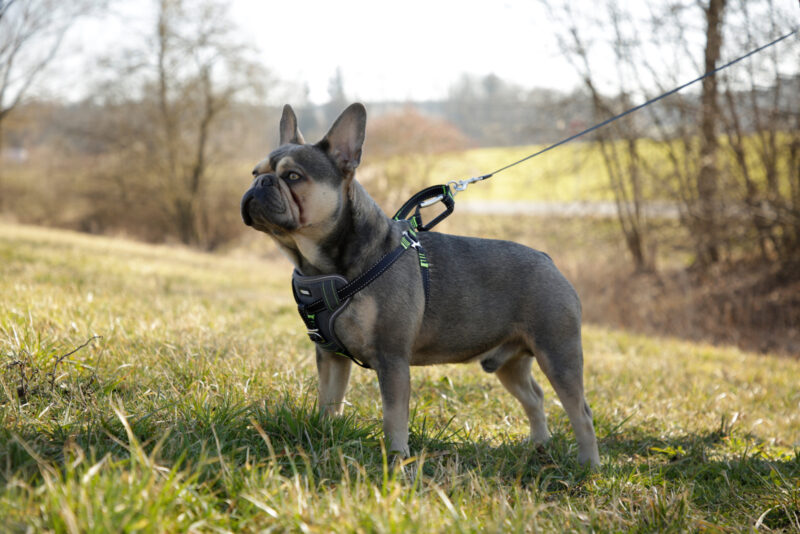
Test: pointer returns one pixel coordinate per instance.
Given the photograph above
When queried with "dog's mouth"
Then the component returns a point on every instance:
(245, 207)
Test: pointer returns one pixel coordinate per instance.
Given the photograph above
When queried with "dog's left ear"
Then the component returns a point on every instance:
(344, 140)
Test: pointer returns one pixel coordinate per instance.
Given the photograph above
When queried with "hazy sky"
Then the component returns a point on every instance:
(414, 49)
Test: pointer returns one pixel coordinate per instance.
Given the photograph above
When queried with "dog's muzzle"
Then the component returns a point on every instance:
(248, 196)
(257, 191)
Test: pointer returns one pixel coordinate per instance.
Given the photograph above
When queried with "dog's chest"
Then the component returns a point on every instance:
(357, 325)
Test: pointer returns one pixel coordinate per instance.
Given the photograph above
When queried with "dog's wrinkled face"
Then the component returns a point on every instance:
(297, 186)
(300, 188)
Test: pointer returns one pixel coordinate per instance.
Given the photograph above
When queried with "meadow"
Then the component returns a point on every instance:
(576, 172)
(158, 389)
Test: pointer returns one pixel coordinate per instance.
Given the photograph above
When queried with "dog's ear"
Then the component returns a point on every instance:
(290, 133)
(344, 140)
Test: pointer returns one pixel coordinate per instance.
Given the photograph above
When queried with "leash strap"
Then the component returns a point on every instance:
(445, 192)
(645, 104)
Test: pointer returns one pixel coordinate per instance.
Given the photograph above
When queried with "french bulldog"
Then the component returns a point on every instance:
(495, 302)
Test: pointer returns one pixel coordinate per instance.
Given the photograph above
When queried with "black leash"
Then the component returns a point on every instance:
(446, 192)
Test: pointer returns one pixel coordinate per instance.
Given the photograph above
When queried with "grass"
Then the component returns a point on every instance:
(576, 174)
(195, 411)
(577, 171)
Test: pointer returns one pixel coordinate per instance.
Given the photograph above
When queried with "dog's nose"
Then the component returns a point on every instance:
(264, 180)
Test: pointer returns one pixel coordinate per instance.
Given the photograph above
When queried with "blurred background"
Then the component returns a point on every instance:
(144, 118)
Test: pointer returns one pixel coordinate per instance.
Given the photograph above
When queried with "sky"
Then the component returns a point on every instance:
(409, 50)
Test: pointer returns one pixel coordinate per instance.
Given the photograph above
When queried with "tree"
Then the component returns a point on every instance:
(337, 98)
(491, 110)
(760, 116)
(31, 33)
(619, 144)
(726, 153)
(731, 151)
(170, 97)
(708, 177)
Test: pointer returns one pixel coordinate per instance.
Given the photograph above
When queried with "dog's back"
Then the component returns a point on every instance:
(501, 289)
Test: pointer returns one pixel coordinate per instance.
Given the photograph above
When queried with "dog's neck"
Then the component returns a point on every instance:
(361, 235)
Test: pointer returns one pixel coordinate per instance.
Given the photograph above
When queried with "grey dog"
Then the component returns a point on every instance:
(496, 302)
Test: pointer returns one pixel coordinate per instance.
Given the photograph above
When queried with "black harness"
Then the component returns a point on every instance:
(320, 299)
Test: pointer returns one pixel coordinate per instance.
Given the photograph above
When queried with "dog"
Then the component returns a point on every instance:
(496, 302)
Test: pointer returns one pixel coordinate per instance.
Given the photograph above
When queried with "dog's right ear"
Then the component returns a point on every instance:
(290, 133)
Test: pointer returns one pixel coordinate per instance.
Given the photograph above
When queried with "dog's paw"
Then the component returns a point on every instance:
(539, 437)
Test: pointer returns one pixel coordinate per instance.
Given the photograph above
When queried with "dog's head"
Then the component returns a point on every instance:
(299, 189)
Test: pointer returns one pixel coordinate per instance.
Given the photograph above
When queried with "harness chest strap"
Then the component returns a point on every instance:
(320, 299)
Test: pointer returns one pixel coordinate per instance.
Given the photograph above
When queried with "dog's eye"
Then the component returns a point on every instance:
(292, 176)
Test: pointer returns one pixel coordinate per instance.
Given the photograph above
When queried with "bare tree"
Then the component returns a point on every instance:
(735, 172)
(708, 177)
(726, 154)
(31, 33)
(760, 113)
(620, 143)
(687, 126)
(495, 112)
(337, 98)
(174, 95)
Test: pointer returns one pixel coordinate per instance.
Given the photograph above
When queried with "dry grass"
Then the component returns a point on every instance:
(195, 412)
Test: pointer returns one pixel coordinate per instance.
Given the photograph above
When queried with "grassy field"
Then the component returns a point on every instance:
(576, 172)
(191, 408)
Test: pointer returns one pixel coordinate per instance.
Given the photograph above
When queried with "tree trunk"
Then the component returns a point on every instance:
(707, 213)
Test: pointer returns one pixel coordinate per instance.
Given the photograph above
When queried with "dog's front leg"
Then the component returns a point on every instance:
(394, 379)
(334, 374)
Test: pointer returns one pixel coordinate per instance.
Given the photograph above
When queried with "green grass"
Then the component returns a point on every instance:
(577, 171)
(576, 174)
(195, 411)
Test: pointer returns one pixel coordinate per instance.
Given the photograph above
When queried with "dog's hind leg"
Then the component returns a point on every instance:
(563, 366)
(334, 374)
(516, 376)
